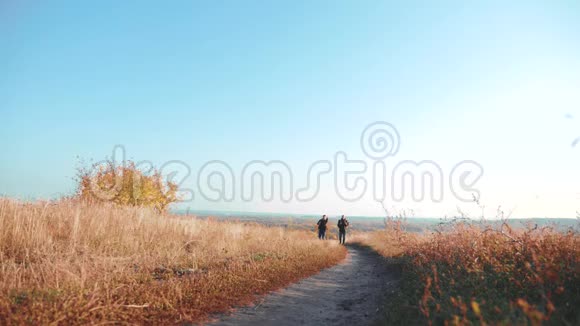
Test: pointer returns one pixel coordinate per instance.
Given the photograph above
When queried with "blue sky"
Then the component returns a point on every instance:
(295, 81)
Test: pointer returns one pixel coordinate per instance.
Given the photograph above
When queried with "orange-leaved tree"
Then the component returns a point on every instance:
(125, 185)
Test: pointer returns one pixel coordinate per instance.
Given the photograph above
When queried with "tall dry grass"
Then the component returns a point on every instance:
(78, 263)
(469, 274)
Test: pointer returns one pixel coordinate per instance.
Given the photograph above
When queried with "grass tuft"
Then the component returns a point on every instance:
(471, 274)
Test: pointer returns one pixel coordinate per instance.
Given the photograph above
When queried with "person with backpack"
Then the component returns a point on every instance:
(322, 227)
(342, 225)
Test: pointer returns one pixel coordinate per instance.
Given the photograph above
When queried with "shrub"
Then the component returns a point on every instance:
(125, 185)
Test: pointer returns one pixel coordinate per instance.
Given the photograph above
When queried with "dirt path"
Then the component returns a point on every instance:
(350, 293)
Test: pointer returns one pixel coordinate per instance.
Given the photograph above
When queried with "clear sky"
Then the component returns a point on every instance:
(296, 81)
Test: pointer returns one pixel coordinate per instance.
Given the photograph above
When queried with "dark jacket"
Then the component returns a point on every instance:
(343, 224)
(322, 224)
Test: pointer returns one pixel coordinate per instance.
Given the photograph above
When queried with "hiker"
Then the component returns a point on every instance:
(322, 227)
(342, 225)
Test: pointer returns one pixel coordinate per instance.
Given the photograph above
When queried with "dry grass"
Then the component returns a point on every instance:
(74, 263)
(480, 275)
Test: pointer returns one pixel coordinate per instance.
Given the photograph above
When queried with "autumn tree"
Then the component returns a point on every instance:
(125, 185)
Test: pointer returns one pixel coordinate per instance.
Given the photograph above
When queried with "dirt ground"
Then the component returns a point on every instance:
(351, 293)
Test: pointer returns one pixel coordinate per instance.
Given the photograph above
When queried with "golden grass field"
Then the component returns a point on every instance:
(75, 263)
(478, 275)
